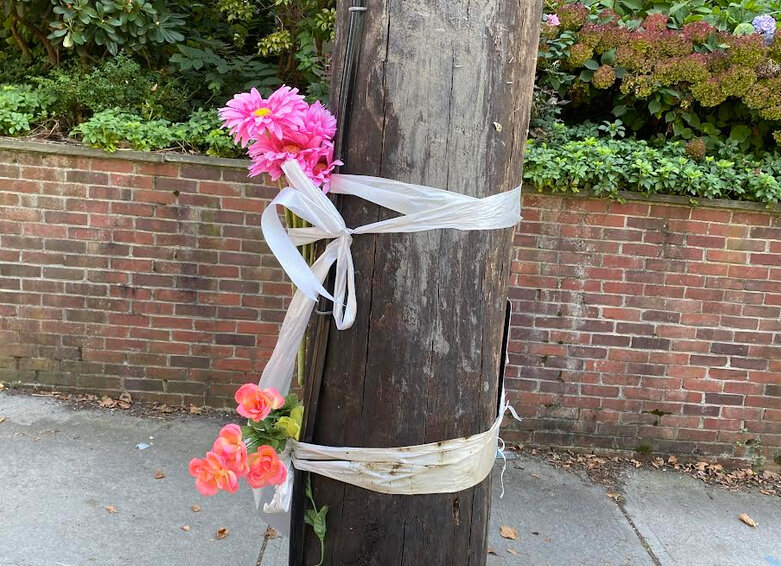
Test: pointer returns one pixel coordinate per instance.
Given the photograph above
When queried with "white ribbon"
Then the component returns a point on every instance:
(449, 466)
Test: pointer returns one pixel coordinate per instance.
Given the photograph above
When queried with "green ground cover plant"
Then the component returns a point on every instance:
(596, 158)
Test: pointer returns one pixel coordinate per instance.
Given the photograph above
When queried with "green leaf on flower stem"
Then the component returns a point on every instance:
(585, 75)
(250, 437)
(315, 518)
(291, 401)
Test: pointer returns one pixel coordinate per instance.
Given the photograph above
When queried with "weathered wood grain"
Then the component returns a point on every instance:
(442, 99)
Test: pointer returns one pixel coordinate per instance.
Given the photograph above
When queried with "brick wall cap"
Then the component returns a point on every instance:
(62, 148)
(666, 199)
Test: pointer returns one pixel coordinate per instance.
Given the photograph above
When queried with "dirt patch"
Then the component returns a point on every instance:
(124, 404)
(608, 470)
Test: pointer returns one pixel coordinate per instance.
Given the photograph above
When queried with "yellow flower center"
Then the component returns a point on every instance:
(291, 148)
(262, 112)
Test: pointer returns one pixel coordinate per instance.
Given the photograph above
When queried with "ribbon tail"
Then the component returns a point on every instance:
(278, 372)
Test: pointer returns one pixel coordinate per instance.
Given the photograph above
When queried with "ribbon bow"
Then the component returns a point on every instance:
(421, 208)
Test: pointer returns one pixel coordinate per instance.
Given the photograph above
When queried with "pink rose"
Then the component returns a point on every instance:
(232, 449)
(265, 468)
(256, 403)
(212, 474)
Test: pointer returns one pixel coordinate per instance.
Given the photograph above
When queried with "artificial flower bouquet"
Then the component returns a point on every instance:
(251, 451)
(275, 130)
(280, 128)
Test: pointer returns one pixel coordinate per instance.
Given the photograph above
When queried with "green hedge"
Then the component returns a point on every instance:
(589, 158)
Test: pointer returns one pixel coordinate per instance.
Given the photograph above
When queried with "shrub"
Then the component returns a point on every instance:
(221, 72)
(113, 129)
(724, 14)
(20, 107)
(119, 82)
(91, 27)
(579, 158)
(691, 82)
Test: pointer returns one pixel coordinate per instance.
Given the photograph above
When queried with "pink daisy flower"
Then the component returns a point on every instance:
(319, 165)
(249, 115)
(268, 154)
(319, 122)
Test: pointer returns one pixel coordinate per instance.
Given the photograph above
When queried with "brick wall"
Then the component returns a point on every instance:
(645, 324)
(648, 324)
(146, 273)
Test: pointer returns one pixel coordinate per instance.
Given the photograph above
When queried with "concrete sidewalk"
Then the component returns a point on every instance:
(60, 470)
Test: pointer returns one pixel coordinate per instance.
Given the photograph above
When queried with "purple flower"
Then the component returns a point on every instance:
(765, 25)
(552, 20)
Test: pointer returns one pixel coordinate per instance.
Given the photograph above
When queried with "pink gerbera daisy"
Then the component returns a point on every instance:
(319, 165)
(249, 115)
(319, 122)
(268, 154)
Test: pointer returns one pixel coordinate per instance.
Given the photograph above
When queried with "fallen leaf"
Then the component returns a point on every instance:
(159, 474)
(748, 520)
(535, 476)
(614, 496)
(165, 408)
(195, 508)
(222, 532)
(195, 410)
(2, 386)
(186, 528)
(508, 532)
(125, 399)
(108, 402)
(2, 420)
(492, 551)
(512, 551)
(111, 509)
(548, 539)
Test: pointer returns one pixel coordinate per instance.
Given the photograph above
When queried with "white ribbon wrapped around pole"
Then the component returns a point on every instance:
(442, 467)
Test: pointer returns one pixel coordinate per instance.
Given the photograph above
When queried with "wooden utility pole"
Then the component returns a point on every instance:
(441, 98)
